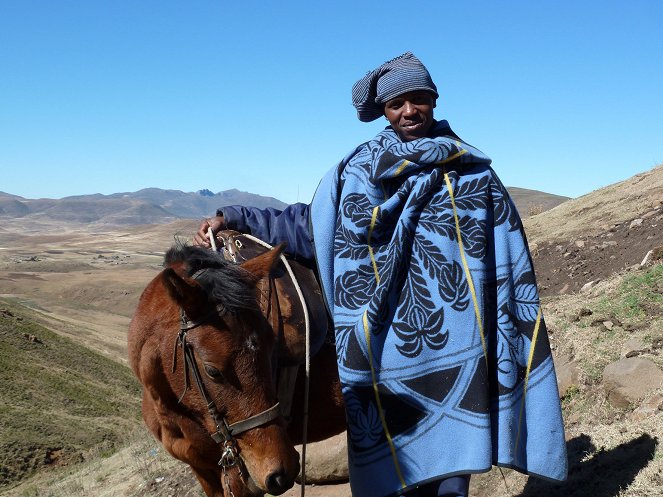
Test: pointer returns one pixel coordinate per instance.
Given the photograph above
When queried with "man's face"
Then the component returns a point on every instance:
(411, 114)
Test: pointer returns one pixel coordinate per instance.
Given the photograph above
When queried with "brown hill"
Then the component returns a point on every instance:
(532, 202)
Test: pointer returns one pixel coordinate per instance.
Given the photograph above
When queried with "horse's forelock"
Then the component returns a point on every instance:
(225, 283)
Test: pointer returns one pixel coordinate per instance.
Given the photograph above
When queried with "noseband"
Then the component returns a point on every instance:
(225, 433)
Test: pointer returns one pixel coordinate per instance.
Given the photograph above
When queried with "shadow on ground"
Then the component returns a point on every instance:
(604, 474)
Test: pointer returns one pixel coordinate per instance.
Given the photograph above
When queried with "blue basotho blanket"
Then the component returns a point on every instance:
(442, 349)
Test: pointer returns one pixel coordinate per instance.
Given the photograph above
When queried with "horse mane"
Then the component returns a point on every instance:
(224, 282)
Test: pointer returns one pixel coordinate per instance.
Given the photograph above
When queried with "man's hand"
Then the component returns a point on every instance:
(201, 237)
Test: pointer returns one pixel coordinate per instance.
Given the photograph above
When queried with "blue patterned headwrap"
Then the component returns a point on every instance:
(401, 75)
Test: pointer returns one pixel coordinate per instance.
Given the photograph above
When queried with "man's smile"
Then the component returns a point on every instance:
(412, 125)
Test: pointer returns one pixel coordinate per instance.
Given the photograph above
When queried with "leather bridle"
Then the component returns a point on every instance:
(225, 433)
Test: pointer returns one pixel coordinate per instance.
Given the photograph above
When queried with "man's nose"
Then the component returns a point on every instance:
(409, 108)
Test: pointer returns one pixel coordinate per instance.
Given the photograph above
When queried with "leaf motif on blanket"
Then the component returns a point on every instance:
(380, 313)
(473, 232)
(525, 302)
(503, 209)
(358, 209)
(438, 218)
(348, 245)
(365, 428)
(431, 258)
(452, 283)
(440, 202)
(355, 288)
(406, 150)
(512, 349)
(363, 154)
(454, 287)
(414, 196)
(436, 152)
(471, 195)
(342, 336)
(417, 319)
(384, 300)
(439, 222)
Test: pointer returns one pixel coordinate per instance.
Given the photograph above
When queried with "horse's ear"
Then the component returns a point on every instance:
(263, 264)
(188, 294)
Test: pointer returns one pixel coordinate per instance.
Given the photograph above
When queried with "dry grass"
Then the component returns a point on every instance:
(598, 211)
(139, 468)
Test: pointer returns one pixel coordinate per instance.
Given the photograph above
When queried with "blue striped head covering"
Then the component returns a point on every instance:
(401, 75)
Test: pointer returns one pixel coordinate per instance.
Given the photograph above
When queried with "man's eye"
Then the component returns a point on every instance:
(213, 373)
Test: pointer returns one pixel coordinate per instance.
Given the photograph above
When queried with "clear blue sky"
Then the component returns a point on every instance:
(109, 96)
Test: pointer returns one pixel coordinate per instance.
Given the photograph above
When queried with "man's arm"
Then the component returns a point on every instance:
(290, 226)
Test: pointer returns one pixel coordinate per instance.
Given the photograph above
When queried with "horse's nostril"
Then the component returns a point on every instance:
(278, 482)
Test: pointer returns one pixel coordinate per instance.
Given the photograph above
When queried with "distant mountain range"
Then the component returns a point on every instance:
(147, 206)
(156, 206)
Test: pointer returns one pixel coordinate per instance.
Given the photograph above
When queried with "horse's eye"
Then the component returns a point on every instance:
(213, 373)
(253, 342)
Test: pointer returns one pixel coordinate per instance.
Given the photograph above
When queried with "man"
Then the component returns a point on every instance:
(442, 349)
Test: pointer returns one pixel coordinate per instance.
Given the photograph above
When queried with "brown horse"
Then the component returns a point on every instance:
(204, 341)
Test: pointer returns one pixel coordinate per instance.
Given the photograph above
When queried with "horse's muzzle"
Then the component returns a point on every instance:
(278, 482)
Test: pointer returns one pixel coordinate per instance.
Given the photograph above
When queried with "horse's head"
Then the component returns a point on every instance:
(210, 396)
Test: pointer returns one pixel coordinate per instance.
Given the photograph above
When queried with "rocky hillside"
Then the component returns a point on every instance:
(590, 238)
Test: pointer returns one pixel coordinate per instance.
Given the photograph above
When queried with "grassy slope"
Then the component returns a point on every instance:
(58, 399)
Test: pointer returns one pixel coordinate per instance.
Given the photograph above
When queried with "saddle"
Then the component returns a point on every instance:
(237, 247)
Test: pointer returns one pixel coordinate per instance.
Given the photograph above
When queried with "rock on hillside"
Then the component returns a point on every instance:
(630, 379)
(589, 238)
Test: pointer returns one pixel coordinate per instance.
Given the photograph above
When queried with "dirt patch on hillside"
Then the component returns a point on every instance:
(566, 265)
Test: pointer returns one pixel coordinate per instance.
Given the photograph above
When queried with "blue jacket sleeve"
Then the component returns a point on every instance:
(291, 225)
